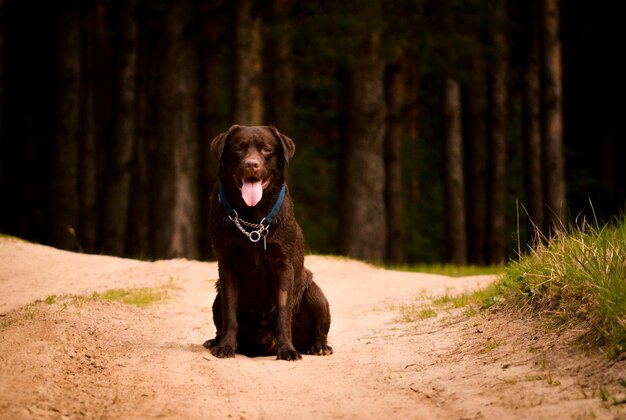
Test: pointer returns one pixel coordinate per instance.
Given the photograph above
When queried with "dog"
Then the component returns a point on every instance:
(267, 302)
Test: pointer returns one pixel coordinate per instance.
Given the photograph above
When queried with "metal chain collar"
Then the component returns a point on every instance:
(260, 230)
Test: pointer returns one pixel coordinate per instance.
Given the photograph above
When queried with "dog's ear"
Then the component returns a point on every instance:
(218, 143)
(289, 147)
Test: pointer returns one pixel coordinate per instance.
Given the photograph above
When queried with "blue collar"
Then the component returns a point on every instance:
(267, 220)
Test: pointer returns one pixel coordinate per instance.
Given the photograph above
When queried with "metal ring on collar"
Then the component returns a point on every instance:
(255, 236)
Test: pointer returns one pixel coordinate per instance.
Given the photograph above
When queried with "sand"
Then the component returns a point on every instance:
(67, 357)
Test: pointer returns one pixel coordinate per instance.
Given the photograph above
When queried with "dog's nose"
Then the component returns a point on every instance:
(252, 164)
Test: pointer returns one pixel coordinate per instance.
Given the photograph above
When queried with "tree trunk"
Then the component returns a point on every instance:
(498, 156)
(1, 92)
(256, 61)
(247, 91)
(142, 214)
(89, 162)
(363, 203)
(176, 218)
(282, 98)
(63, 193)
(146, 179)
(395, 93)
(554, 160)
(412, 101)
(4, 148)
(456, 232)
(477, 162)
(212, 121)
(531, 127)
(117, 189)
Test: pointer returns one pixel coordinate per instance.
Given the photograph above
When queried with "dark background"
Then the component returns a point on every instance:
(107, 109)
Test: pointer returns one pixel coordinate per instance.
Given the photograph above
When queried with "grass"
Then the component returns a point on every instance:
(413, 312)
(11, 238)
(480, 299)
(489, 346)
(577, 278)
(483, 297)
(140, 297)
(449, 270)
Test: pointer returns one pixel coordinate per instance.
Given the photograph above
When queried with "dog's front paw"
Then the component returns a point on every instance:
(286, 352)
(223, 351)
(320, 349)
(210, 343)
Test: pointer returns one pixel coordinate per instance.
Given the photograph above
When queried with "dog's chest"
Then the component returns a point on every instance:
(256, 278)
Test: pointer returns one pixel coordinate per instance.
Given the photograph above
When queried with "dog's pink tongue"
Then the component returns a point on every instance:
(251, 192)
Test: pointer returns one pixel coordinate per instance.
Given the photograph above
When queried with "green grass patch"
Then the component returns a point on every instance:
(140, 297)
(473, 301)
(413, 312)
(456, 301)
(489, 346)
(482, 298)
(577, 278)
(449, 270)
(12, 238)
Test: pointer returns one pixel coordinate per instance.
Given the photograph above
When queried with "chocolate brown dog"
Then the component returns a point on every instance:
(267, 302)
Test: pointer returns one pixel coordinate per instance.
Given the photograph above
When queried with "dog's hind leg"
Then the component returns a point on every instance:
(311, 323)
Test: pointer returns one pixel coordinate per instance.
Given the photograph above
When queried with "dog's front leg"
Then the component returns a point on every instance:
(230, 296)
(285, 350)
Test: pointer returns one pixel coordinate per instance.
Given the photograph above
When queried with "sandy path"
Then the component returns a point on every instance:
(106, 359)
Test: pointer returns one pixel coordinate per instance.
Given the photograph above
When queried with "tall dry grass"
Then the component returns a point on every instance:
(577, 277)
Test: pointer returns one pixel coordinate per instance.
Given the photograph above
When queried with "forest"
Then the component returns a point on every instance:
(426, 130)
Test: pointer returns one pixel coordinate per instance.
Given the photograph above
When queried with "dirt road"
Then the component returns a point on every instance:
(65, 357)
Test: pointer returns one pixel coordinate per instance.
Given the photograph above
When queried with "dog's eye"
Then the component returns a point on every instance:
(267, 149)
(240, 148)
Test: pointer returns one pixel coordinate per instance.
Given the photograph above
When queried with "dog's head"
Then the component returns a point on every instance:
(253, 159)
